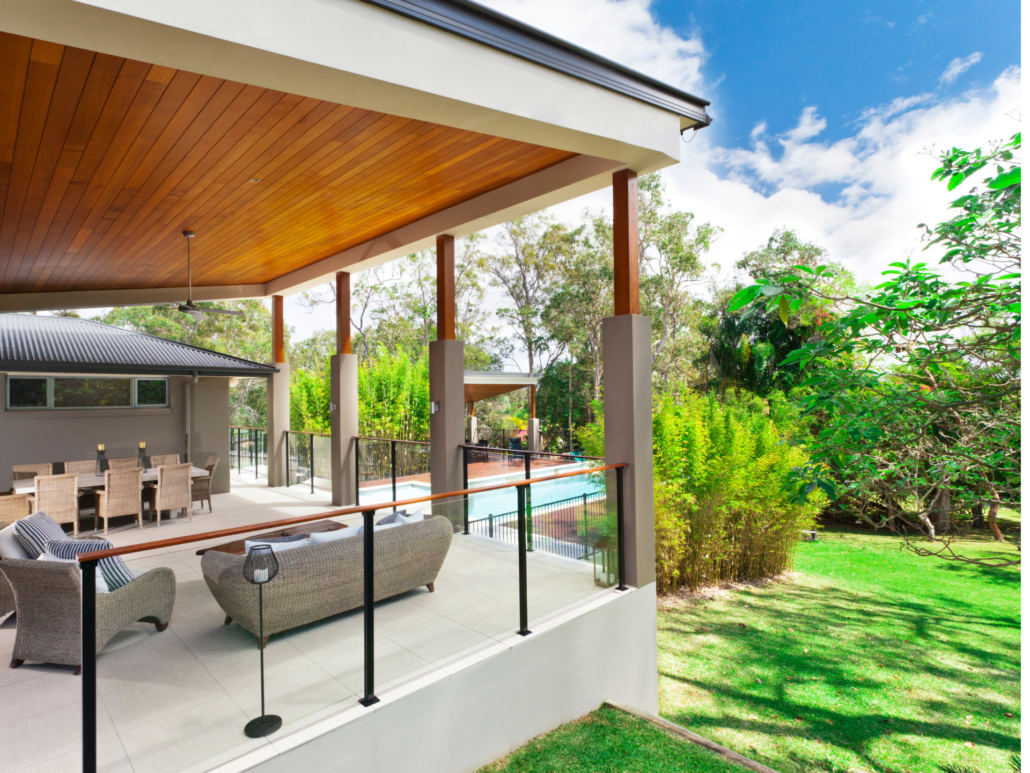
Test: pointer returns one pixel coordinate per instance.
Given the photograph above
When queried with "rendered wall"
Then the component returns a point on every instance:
(484, 710)
(29, 437)
(209, 428)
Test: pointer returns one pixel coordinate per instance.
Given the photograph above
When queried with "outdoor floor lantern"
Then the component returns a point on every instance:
(260, 567)
(606, 562)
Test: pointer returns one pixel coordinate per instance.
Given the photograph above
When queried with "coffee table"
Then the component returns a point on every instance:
(238, 547)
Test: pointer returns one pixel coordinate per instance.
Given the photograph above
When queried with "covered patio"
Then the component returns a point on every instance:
(303, 143)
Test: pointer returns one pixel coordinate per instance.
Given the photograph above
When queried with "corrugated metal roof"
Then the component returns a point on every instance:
(31, 343)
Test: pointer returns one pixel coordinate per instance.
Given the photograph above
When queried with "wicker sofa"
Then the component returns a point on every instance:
(48, 598)
(317, 581)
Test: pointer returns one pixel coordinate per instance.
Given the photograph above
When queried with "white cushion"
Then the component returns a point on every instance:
(320, 537)
(380, 527)
(415, 517)
(10, 547)
(278, 547)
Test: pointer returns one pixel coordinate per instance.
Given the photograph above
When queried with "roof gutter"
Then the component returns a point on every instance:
(95, 369)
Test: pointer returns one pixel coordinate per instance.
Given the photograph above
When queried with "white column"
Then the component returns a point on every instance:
(533, 435)
(343, 420)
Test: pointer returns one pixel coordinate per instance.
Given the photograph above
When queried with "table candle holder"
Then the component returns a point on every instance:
(144, 461)
(101, 459)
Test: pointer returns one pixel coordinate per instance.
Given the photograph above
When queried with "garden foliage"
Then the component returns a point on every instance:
(721, 511)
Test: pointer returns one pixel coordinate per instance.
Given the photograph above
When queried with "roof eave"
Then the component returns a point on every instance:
(124, 369)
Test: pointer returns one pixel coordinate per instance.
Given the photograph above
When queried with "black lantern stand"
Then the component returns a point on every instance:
(142, 460)
(260, 567)
(101, 460)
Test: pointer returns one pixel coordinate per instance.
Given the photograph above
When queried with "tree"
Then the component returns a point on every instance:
(526, 270)
(917, 383)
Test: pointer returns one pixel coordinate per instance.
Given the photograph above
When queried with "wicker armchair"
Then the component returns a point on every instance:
(201, 488)
(58, 497)
(30, 471)
(126, 463)
(122, 495)
(48, 599)
(172, 491)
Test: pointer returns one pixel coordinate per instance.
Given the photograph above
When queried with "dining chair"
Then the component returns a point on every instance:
(160, 461)
(13, 507)
(121, 495)
(58, 497)
(30, 471)
(87, 497)
(172, 491)
(125, 463)
(201, 487)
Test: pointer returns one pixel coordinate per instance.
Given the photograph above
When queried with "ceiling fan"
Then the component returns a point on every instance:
(189, 307)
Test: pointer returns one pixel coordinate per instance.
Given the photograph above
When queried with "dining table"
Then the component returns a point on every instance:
(28, 486)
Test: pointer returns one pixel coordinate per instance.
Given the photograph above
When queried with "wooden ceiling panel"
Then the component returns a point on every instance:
(104, 161)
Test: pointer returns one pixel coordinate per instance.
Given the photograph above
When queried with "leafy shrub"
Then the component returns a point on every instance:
(721, 509)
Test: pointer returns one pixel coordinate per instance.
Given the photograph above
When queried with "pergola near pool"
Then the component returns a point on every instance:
(304, 142)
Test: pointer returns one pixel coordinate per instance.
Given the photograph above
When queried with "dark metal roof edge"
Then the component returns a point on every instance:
(483, 25)
(18, 366)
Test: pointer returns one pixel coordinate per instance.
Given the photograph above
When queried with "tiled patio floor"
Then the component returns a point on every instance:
(178, 700)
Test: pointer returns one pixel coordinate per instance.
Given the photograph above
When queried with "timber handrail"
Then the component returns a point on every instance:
(393, 440)
(535, 453)
(242, 426)
(269, 525)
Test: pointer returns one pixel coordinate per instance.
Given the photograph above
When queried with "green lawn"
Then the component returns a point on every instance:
(610, 741)
(872, 659)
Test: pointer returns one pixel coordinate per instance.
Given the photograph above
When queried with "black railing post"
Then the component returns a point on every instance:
(490, 518)
(523, 589)
(357, 470)
(393, 468)
(287, 458)
(529, 504)
(464, 484)
(311, 454)
(255, 450)
(586, 529)
(620, 527)
(89, 666)
(239, 449)
(370, 657)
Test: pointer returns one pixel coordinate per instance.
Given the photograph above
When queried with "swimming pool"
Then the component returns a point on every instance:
(496, 502)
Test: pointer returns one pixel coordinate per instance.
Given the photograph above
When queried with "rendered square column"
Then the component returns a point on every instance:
(447, 423)
(278, 407)
(343, 422)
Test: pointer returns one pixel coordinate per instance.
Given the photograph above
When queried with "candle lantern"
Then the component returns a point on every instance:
(606, 562)
(101, 459)
(144, 462)
(261, 566)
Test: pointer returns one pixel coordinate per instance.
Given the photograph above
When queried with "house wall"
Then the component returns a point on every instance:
(460, 718)
(209, 427)
(29, 437)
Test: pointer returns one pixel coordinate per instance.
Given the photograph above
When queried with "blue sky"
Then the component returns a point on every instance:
(769, 60)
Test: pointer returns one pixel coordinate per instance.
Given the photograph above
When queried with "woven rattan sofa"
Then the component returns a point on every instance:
(317, 581)
(48, 598)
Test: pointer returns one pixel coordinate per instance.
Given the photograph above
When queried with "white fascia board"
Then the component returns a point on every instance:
(146, 296)
(519, 379)
(356, 54)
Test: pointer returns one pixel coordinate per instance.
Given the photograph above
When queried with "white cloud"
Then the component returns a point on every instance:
(958, 66)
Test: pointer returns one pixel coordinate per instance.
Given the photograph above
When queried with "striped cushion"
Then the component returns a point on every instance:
(35, 531)
(113, 570)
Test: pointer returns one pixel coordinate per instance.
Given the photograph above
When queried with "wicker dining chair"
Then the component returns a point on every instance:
(58, 497)
(30, 471)
(126, 463)
(172, 491)
(87, 497)
(121, 495)
(13, 507)
(161, 461)
(201, 488)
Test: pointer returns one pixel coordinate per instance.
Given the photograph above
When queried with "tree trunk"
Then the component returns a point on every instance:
(992, 514)
(942, 511)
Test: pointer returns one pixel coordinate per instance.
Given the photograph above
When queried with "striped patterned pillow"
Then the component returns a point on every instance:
(35, 531)
(113, 570)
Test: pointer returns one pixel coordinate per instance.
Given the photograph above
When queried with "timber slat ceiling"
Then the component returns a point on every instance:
(104, 161)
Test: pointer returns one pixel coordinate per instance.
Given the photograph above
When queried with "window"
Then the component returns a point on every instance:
(151, 391)
(67, 392)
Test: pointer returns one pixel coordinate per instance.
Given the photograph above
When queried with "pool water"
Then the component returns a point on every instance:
(492, 502)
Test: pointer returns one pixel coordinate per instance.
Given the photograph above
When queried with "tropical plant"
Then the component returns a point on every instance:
(917, 383)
